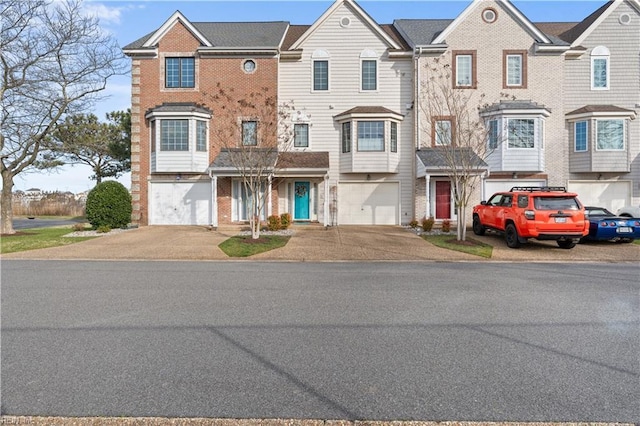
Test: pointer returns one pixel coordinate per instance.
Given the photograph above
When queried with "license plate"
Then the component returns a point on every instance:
(624, 230)
(560, 219)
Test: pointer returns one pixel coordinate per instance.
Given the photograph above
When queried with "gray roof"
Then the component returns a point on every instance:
(180, 107)
(438, 158)
(249, 157)
(421, 32)
(511, 105)
(234, 34)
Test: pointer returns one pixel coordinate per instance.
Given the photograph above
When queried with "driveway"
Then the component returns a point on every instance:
(315, 243)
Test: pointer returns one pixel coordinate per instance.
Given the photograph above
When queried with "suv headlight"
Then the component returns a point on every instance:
(529, 214)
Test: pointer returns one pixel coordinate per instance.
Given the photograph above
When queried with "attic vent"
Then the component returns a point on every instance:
(345, 21)
(625, 19)
(489, 15)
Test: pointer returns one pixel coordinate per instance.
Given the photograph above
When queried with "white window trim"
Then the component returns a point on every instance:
(192, 118)
(320, 55)
(464, 55)
(575, 125)
(370, 55)
(624, 134)
(538, 127)
(521, 76)
(306, 123)
(599, 53)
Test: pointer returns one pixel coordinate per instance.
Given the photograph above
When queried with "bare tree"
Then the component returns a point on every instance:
(254, 131)
(460, 134)
(55, 61)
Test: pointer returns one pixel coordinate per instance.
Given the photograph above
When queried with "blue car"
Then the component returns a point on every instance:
(606, 226)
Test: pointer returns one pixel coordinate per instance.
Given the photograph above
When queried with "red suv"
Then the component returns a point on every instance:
(543, 213)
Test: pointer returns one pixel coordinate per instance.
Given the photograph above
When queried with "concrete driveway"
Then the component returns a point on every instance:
(315, 243)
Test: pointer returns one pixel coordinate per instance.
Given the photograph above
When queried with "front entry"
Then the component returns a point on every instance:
(301, 209)
(443, 199)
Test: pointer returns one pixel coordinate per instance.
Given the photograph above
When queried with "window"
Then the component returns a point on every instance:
(249, 133)
(201, 136)
(464, 69)
(600, 68)
(493, 134)
(610, 135)
(346, 137)
(580, 132)
(521, 132)
(174, 135)
(180, 72)
(320, 75)
(394, 137)
(370, 135)
(442, 131)
(369, 75)
(301, 135)
(153, 136)
(514, 69)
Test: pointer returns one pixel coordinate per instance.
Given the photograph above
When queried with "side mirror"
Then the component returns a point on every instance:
(483, 203)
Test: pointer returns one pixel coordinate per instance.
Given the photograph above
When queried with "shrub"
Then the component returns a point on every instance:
(78, 227)
(103, 229)
(413, 224)
(109, 204)
(273, 223)
(446, 225)
(427, 224)
(285, 220)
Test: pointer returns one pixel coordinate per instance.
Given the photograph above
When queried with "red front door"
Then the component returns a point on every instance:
(443, 199)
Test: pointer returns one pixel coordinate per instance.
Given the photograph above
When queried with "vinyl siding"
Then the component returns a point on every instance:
(623, 42)
(394, 91)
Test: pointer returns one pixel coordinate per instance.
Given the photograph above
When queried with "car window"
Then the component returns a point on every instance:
(523, 201)
(495, 200)
(507, 201)
(556, 203)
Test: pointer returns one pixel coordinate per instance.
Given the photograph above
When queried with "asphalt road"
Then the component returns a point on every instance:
(41, 223)
(378, 341)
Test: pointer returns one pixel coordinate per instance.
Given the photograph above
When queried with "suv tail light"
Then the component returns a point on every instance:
(529, 214)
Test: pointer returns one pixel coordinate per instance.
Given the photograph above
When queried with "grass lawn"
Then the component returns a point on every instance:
(244, 246)
(469, 246)
(37, 238)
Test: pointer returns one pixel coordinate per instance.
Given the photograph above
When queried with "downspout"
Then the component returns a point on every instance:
(416, 129)
(214, 200)
(269, 194)
(326, 200)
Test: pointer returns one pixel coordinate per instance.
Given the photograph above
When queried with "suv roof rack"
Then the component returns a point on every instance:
(539, 188)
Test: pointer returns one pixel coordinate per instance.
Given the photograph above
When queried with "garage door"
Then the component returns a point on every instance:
(611, 195)
(493, 186)
(180, 203)
(368, 203)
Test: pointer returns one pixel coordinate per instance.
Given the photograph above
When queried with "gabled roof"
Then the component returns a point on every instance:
(538, 35)
(358, 11)
(421, 32)
(220, 34)
(580, 32)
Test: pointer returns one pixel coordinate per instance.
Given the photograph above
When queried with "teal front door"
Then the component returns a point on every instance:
(301, 209)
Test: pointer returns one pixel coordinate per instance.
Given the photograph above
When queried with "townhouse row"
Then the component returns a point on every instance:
(559, 102)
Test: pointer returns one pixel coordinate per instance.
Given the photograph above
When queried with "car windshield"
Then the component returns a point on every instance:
(598, 211)
(556, 203)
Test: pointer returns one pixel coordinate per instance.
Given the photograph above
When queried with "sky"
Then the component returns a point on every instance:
(128, 21)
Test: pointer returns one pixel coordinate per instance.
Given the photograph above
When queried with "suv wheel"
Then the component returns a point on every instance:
(566, 244)
(511, 235)
(478, 229)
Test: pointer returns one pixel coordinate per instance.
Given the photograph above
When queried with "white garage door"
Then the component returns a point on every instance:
(368, 203)
(180, 203)
(611, 195)
(493, 186)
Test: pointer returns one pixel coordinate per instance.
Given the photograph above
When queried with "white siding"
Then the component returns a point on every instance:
(179, 161)
(395, 91)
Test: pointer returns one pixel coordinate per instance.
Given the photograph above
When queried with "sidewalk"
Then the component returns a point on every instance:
(311, 243)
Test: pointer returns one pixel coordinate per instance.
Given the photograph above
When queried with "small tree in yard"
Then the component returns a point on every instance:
(105, 147)
(109, 204)
(54, 60)
(256, 130)
(452, 115)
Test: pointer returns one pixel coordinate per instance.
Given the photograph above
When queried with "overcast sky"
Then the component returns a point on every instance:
(127, 21)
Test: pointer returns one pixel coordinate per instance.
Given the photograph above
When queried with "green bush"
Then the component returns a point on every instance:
(427, 224)
(285, 220)
(103, 229)
(273, 223)
(413, 224)
(109, 204)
